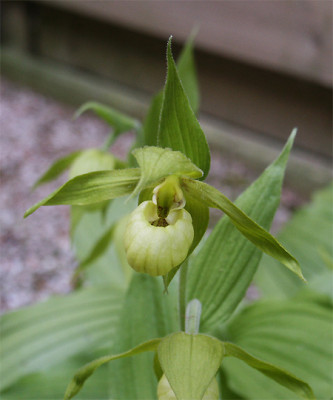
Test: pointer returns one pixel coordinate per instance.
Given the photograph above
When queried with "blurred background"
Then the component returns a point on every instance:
(264, 67)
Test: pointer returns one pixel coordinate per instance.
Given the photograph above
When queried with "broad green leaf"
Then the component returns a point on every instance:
(284, 378)
(157, 163)
(40, 336)
(187, 74)
(57, 168)
(224, 267)
(50, 383)
(120, 122)
(87, 370)
(179, 128)
(294, 334)
(91, 188)
(190, 362)
(309, 236)
(147, 313)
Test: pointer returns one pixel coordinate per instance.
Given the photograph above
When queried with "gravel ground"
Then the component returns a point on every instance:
(36, 259)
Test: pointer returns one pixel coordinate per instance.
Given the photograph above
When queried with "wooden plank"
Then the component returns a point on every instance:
(294, 37)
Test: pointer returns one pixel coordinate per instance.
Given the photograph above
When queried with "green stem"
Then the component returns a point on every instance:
(109, 141)
(182, 294)
(192, 318)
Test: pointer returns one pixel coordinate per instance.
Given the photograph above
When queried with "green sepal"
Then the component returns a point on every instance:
(118, 121)
(157, 163)
(87, 370)
(249, 228)
(57, 168)
(279, 375)
(190, 362)
(91, 188)
(178, 126)
(188, 77)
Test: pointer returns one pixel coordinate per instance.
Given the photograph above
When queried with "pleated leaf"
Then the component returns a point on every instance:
(37, 337)
(294, 334)
(57, 168)
(178, 127)
(224, 267)
(156, 163)
(190, 362)
(309, 236)
(91, 188)
(50, 384)
(147, 313)
(282, 377)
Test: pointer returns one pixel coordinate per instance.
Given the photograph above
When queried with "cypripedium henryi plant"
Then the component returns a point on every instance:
(165, 174)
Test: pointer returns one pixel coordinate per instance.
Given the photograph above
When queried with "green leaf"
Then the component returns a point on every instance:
(90, 188)
(87, 370)
(284, 378)
(147, 313)
(41, 336)
(295, 334)
(50, 383)
(179, 128)
(224, 267)
(120, 122)
(190, 362)
(157, 163)
(309, 236)
(99, 249)
(249, 228)
(188, 75)
(57, 168)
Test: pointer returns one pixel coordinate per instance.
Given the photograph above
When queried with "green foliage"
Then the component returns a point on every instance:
(91, 188)
(133, 377)
(156, 163)
(190, 362)
(224, 267)
(309, 236)
(128, 315)
(57, 168)
(48, 333)
(178, 127)
(294, 334)
(117, 120)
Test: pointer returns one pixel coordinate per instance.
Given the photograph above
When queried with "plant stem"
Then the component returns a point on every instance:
(109, 141)
(182, 294)
(192, 318)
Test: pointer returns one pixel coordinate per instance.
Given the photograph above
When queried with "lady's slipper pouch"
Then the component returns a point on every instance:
(155, 245)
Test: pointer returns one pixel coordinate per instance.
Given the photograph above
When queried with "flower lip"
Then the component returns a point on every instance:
(156, 245)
